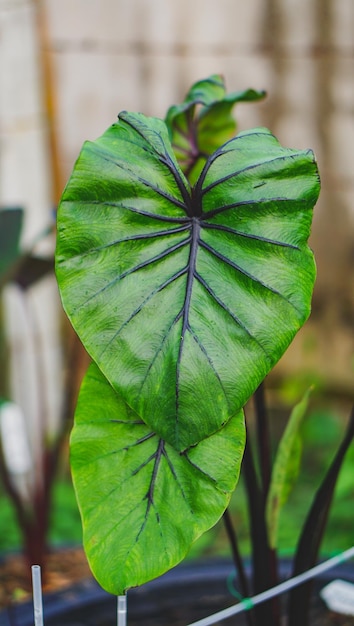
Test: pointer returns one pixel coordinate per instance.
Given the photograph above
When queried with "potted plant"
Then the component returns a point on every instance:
(183, 265)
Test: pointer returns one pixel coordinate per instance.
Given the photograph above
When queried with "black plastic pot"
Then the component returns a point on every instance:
(183, 595)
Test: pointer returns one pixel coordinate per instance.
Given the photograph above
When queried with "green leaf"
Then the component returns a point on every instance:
(142, 503)
(285, 468)
(186, 298)
(10, 230)
(203, 122)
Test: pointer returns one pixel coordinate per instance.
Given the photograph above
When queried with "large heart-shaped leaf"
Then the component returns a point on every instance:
(203, 122)
(186, 298)
(142, 503)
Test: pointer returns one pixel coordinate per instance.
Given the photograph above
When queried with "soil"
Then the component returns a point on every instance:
(64, 568)
(69, 567)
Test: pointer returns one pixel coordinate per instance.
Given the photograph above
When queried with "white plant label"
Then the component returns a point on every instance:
(339, 597)
(14, 440)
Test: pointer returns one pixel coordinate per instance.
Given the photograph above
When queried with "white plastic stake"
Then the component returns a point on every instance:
(121, 610)
(248, 603)
(37, 595)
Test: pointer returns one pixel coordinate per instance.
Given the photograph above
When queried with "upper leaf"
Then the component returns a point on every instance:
(203, 122)
(186, 298)
(142, 503)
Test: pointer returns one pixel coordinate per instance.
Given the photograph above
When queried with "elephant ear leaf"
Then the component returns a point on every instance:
(186, 298)
(142, 503)
(203, 122)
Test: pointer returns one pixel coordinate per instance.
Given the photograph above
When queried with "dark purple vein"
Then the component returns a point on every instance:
(157, 456)
(205, 474)
(238, 268)
(144, 463)
(138, 442)
(236, 173)
(174, 474)
(140, 266)
(226, 207)
(154, 235)
(150, 493)
(119, 205)
(145, 301)
(142, 180)
(256, 203)
(157, 257)
(238, 233)
(224, 149)
(180, 184)
(203, 349)
(187, 301)
(166, 334)
(165, 159)
(195, 241)
(232, 315)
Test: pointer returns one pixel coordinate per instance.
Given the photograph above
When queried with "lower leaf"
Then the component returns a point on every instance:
(143, 503)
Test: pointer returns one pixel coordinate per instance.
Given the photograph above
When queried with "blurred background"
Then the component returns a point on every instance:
(66, 70)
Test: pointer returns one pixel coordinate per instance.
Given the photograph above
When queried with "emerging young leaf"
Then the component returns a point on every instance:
(142, 503)
(285, 468)
(186, 298)
(203, 122)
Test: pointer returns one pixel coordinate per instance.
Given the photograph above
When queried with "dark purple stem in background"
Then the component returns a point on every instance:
(237, 559)
(263, 438)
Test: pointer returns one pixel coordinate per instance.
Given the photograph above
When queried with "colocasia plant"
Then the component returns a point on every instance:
(183, 265)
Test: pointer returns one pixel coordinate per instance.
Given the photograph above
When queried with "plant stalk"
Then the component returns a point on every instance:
(242, 578)
(263, 438)
(263, 558)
